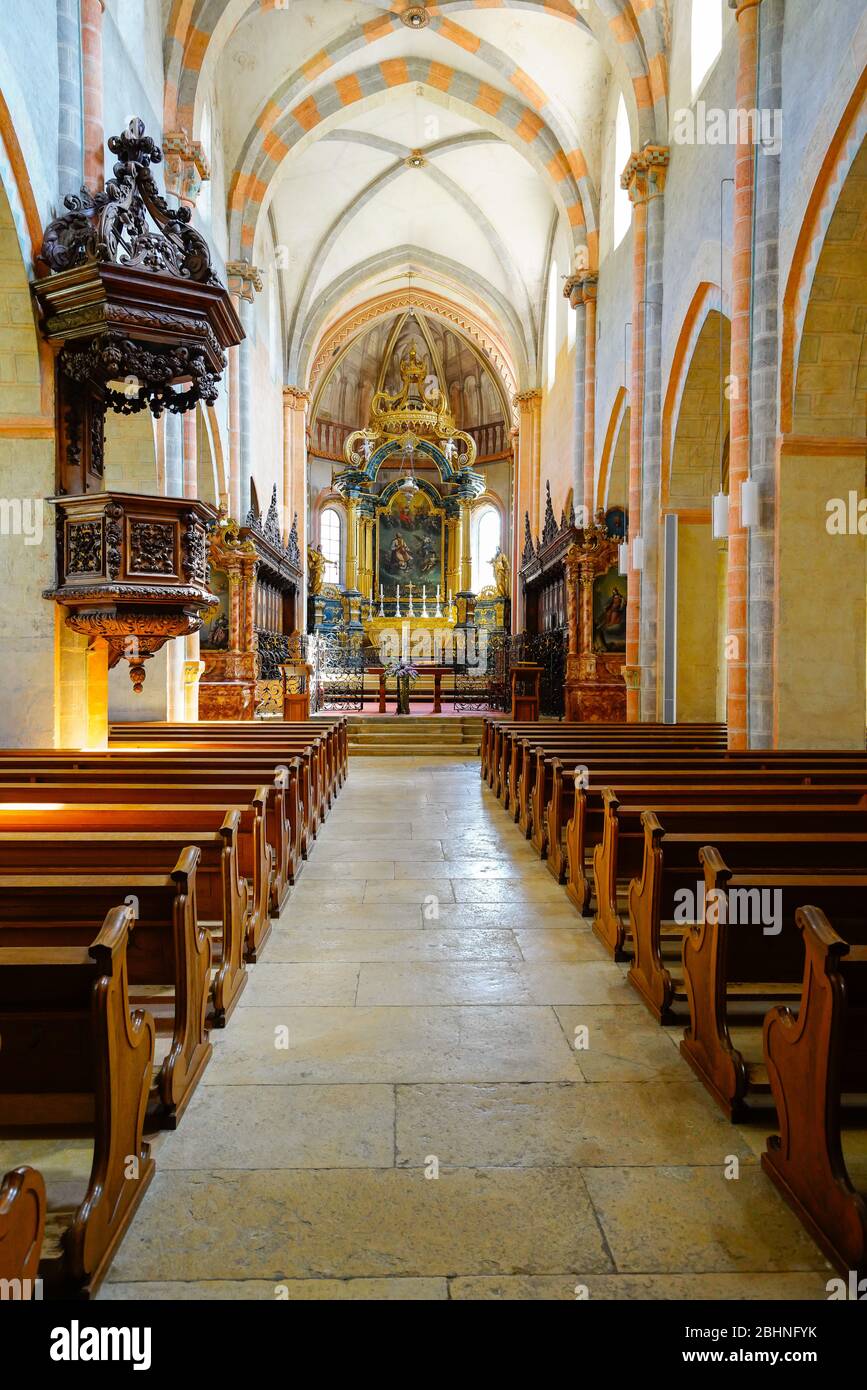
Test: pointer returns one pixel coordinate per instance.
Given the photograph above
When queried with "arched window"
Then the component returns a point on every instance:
(622, 151)
(706, 39)
(486, 539)
(330, 540)
(552, 323)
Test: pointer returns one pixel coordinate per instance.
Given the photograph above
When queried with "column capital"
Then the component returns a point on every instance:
(244, 279)
(527, 401)
(579, 288)
(741, 6)
(644, 175)
(187, 166)
(295, 397)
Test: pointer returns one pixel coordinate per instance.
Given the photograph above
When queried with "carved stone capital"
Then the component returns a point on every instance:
(187, 166)
(644, 175)
(296, 398)
(245, 279)
(527, 401)
(580, 288)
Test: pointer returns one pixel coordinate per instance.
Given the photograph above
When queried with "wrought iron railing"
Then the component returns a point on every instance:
(480, 671)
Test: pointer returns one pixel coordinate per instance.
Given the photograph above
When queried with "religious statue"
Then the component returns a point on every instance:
(502, 573)
(315, 569)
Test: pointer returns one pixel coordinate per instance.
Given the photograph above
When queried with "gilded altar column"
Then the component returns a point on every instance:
(466, 552)
(351, 545)
(644, 179)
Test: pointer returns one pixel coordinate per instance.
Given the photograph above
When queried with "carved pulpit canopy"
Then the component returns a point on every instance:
(134, 305)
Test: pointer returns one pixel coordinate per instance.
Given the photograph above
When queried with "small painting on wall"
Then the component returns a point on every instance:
(215, 629)
(609, 611)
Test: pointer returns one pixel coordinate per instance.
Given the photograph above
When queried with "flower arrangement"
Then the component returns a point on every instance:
(405, 674)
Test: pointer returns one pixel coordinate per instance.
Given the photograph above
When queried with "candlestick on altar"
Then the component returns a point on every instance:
(411, 609)
(404, 646)
(381, 608)
(439, 612)
(397, 609)
(424, 611)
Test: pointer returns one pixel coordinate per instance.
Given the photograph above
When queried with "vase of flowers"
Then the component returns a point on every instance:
(405, 675)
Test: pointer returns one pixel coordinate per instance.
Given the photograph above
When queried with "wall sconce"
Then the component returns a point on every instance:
(720, 516)
(638, 554)
(749, 502)
(623, 557)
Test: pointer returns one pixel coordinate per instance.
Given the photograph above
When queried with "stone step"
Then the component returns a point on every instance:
(467, 751)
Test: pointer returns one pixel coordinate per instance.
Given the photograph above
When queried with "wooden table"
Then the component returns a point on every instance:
(436, 671)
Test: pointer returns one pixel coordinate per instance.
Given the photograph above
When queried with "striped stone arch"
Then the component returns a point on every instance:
(844, 146)
(706, 300)
(339, 335)
(634, 46)
(278, 132)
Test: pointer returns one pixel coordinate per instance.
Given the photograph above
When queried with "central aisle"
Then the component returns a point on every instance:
(417, 1006)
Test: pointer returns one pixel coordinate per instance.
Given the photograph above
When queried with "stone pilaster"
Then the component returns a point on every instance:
(580, 290)
(245, 282)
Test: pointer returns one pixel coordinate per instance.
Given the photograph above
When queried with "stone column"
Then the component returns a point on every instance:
(69, 123)
(580, 290)
(763, 387)
(245, 281)
(296, 402)
(92, 75)
(295, 405)
(644, 179)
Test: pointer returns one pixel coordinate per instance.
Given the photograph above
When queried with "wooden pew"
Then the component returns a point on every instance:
(329, 742)
(143, 805)
(333, 728)
(289, 828)
(822, 837)
(76, 1059)
(75, 841)
(585, 827)
(718, 954)
(622, 854)
(22, 1228)
(545, 806)
(813, 1060)
(167, 948)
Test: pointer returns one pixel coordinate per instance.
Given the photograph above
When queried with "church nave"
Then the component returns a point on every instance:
(300, 1168)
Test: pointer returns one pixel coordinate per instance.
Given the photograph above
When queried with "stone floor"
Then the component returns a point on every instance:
(398, 1109)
